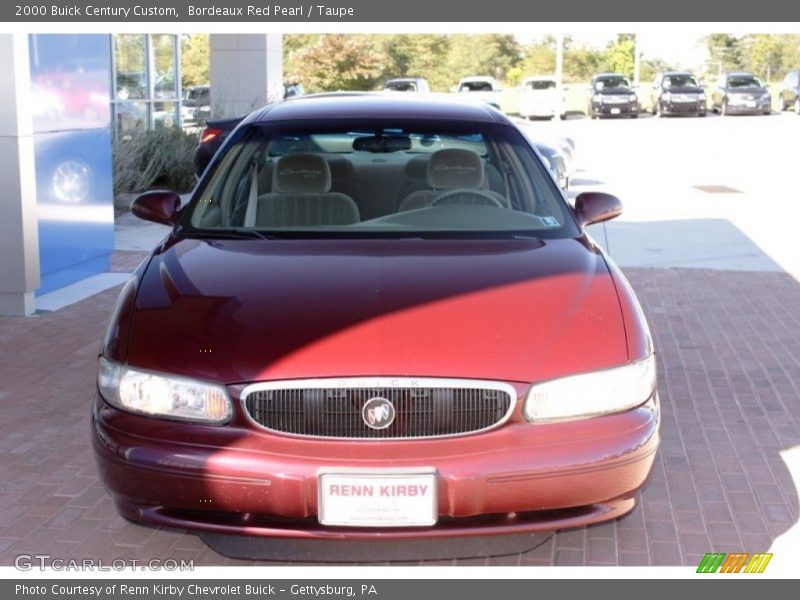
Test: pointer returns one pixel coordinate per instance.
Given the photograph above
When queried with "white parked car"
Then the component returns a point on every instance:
(542, 97)
(407, 85)
(482, 89)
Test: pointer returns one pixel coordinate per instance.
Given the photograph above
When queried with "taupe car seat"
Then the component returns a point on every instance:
(301, 196)
(449, 171)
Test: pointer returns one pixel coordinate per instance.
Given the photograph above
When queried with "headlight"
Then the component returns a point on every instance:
(632, 98)
(701, 97)
(161, 395)
(666, 97)
(597, 98)
(592, 394)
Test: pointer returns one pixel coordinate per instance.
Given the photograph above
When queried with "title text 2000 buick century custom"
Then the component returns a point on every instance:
(376, 317)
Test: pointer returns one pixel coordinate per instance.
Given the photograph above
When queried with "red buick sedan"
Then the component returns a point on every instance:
(377, 317)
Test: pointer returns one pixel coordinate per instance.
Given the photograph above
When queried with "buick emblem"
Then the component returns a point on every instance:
(378, 413)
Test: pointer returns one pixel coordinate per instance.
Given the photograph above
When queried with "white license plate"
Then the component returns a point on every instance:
(615, 111)
(384, 499)
(750, 104)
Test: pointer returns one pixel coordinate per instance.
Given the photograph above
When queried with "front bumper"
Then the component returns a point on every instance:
(615, 109)
(682, 108)
(743, 109)
(243, 480)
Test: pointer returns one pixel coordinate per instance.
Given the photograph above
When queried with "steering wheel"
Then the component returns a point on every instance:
(459, 197)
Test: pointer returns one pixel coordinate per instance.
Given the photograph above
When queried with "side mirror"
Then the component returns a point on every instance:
(160, 207)
(596, 207)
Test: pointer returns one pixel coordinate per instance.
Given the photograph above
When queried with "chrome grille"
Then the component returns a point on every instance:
(424, 408)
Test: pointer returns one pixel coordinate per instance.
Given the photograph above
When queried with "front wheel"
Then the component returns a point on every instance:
(635, 116)
(723, 109)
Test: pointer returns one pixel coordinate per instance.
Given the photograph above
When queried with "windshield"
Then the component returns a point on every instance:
(615, 83)
(475, 86)
(743, 82)
(680, 81)
(542, 85)
(401, 86)
(380, 179)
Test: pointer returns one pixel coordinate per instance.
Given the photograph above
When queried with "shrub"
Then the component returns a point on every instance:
(146, 160)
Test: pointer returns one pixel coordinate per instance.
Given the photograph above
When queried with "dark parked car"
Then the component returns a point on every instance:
(377, 318)
(677, 94)
(612, 96)
(741, 94)
(790, 92)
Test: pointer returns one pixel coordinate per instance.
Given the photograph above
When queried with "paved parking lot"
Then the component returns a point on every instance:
(727, 332)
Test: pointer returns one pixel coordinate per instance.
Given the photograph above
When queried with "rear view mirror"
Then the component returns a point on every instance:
(160, 206)
(596, 207)
(383, 144)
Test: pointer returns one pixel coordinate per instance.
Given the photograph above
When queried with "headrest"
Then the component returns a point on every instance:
(455, 168)
(417, 168)
(301, 173)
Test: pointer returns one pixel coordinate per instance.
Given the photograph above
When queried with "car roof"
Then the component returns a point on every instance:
(671, 73)
(374, 105)
(739, 74)
(605, 75)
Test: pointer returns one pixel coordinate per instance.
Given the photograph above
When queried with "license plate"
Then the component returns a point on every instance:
(384, 499)
(615, 111)
(750, 104)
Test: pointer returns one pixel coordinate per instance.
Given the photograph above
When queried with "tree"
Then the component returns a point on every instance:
(416, 55)
(482, 54)
(726, 50)
(619, 55)
(194, 59)
(338, 62)
(540, 57)
(580, 63)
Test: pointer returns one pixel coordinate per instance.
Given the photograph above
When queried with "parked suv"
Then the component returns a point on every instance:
(740, 93)
(542, 97)
(790, 92)
(676, 93)
(613, 96)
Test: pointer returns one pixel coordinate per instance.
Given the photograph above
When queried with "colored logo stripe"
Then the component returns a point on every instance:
(734, 563)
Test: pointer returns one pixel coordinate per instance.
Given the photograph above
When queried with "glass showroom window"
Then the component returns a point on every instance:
(146, 81)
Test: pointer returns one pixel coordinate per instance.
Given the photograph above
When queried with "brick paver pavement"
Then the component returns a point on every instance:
(729, 359)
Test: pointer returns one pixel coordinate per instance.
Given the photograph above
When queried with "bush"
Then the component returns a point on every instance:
(146, 160)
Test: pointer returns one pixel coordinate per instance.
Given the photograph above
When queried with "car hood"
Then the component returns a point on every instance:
(247, 310)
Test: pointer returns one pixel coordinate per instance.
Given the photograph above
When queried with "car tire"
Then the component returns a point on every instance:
(635, 116)
(658, 112)
(701, 114)
(563, 116)
(797, 106)
(723, 109)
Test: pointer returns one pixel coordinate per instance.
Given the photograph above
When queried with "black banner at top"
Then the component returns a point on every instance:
(356, 11)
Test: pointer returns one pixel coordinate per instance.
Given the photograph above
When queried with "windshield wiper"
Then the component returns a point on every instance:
(229, 234)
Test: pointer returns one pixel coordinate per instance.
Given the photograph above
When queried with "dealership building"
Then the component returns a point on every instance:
(66, 98)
